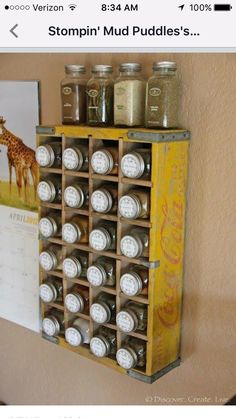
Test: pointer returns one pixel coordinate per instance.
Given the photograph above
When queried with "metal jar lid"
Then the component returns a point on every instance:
(102, 162)
(48, 260)
(51, 326)
(74, 302)
(74, 196)
(102, 69)
(72, 158)
(46, 191)
(169, 65)
(47, 292)
(100, 239)
(45, 156)
(131, 284)
(100, 346)
(74, 68)
(101, 201)
(130, 66)
(100, 313)
(71, 233)
(47, 227)
(74, 337)
(72, 267)
(126, 358)
(126, 320)
(96, 275)
(131, 247)
(132, 165)
(130, 207)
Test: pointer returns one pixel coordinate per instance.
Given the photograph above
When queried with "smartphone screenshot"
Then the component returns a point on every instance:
(117, 207)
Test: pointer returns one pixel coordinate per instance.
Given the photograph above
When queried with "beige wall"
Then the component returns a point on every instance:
(33, 371)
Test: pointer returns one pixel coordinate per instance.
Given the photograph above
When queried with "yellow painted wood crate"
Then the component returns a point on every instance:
(166, 229)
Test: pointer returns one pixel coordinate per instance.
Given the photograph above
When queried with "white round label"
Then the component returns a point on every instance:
(128, 207)
(125, 359)
(46, 261)
(49, 327)
(70, 159)
(100, 162)
(46, 293)
(99, 201)
(70, 268)
(46, 228)
(69, 233)
(98, 240)
(98, 313)
(95, 276)
(42, 156)
(44, 191)
(73, 303)
(73, 337)
(130, 166)
(98, 347)
(72, 197)
(129, 246)
(125, 322)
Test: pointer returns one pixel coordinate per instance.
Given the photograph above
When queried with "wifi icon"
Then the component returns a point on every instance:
(72, 7)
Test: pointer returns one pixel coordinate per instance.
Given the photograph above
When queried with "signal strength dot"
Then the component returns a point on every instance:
(72, 7)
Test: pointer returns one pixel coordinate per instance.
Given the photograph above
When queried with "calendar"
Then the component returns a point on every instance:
(19, 301)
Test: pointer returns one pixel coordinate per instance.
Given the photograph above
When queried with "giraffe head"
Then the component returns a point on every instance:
(2, 123)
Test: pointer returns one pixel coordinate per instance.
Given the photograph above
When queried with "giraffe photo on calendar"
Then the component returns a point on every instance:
(19, 116)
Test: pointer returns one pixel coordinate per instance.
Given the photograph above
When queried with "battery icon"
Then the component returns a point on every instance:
(222, 7)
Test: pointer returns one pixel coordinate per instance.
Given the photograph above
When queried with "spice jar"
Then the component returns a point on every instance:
(78, 333)
(49, 155)
(50, 226)
(51, 290)
(136, 164)
(49, 190)
(73, 95)
(134, 281)
(103, 344)
(105, 161)
(133, 317)
(135, 244)
(104, 199)
(76, 158)
(135, 204)
(100, 96)
(131, 354)
(76, 196)
(77, 300)
(162, 96)
(103, 309)
(53, 323)
(75, 265)
(51, 259)
(102, 272)
(129, 96)
(103, 238)
(76, 230)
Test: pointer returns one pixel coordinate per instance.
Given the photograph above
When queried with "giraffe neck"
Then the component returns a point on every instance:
(7, 138)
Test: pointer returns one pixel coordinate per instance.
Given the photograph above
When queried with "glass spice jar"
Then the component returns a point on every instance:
(49, 190)
(137, 163)
(73, 95)
(104, 199)
(49, 155)
(134, 281)
(51, 290)
(100, 96)
(76, 230)
(78, 333)
(103, 309)
(51, 258)
(50, 226)
(77, 195)
(132, 317)
(75, 265)
(53, 323)
(131, 354)
(102, 272)
(103, 238)
(162, 96)
(77, 300)
(103, 344)
(129, 96)
(136, 244)
(75, 158)
(135, 204)
(105, 161)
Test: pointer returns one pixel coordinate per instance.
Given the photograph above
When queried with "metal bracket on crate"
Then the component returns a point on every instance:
(152, 265)
(155, 376)
(53, 340)
(45, 130)
(159, 137)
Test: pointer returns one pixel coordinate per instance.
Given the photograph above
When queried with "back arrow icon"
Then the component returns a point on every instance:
(181, 7)
(12, 31)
